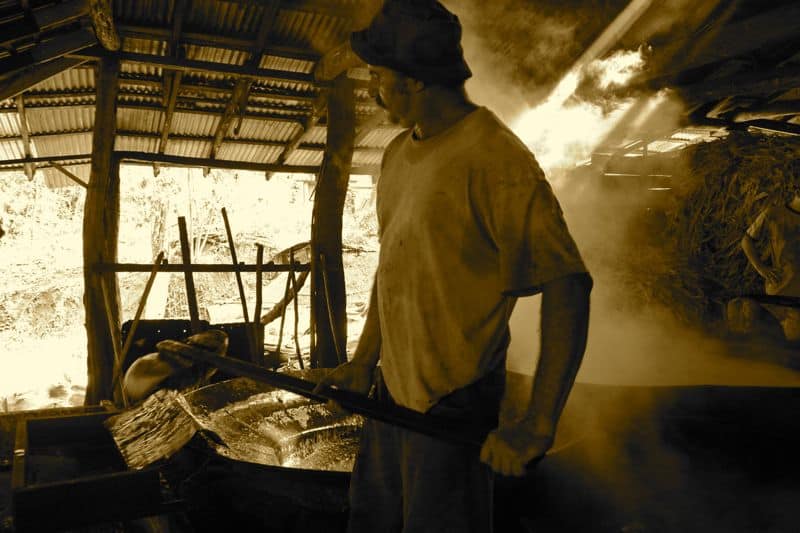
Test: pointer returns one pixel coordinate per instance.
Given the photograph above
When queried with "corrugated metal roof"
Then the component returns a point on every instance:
(309, 30)
(68, 80)
(216, 55)
(286, 64)
(127, 143)
(188, 148)
(10, 149)
(367, 157)
(193, 124)
(381, 137)
(42, 120)
(268, 130)
(224, 18)
(153, 12)
(60, 110)
(305, 157)
(249, 152)
(139, 120)
(68, 144)
(9, 125)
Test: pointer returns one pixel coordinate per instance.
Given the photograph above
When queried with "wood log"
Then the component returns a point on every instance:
(100, 235)
(326, 227)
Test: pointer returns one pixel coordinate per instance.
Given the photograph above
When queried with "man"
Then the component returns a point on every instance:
(467, 223)
(781, 274)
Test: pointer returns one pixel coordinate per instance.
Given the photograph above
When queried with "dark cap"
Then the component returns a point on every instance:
(418, 38)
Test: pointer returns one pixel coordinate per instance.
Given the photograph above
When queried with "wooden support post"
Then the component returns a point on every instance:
(26, 139)
(326, 227)
(191, 293)
(100, 234)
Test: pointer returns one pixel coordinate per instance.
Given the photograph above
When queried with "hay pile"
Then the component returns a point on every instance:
(695, 262)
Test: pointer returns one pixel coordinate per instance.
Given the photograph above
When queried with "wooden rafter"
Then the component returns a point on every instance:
(320, 108)
(29, 77)
(198, 138)
(217, 41)
(47, 51)
(172, 80)
(207, 67)
(42, 19)
(241, 92)
(25, 134)
(70, 175)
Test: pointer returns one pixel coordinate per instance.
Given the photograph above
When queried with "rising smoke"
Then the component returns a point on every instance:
(520, 52)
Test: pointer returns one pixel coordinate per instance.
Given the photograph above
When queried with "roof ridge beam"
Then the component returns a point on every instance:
(188, 65)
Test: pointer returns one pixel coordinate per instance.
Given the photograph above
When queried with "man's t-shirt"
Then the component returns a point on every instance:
(783, 228)
(467, 223)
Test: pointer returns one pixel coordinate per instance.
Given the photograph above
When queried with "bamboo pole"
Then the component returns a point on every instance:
(252, 339)
(191, 294)
(296, 292)
(135, 324)
(112, 323)
(256, 326)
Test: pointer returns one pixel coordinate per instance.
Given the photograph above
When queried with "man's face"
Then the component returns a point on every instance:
(392, 91)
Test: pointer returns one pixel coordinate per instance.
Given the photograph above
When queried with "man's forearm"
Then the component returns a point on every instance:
(369, 344)
(750, 252)
(565, 323)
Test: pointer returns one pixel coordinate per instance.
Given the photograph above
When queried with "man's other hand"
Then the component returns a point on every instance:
(352, 376)
(509, 450)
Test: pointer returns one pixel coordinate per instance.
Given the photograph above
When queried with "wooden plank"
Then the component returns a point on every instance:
(320, 106)
(199, 267)
(172, 80)
(20, 81)
(70, 175)
(218, 41)
(206, 67)
(42, 19)
(214, 163)
(326, 227)
(46, 159)
(100, 235)
(47, 51)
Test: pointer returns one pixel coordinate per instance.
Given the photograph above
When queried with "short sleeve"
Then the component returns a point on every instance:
(524, 220)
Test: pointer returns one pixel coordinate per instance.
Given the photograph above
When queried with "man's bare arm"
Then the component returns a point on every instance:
(565, 324)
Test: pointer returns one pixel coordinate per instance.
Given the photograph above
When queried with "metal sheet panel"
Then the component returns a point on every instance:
(11, 149)
(188, 148)
(305, 157)
(130, 143)
(144, 120)
(66, 119)
(67, 144)
(194, 124)
(381, 137)
(249, 152)
(268, 130)
(9, 125)
(78, 78)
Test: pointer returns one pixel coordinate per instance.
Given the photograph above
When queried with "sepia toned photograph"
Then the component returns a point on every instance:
(399, 266)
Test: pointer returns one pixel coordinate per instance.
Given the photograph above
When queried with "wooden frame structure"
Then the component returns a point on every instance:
(271, 78)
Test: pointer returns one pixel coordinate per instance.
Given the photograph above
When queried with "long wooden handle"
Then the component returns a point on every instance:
(433, 426)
